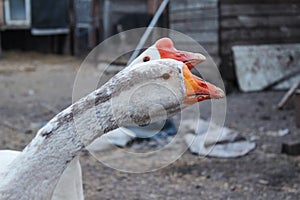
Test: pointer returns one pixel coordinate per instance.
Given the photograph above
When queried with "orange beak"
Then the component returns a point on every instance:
(166, 49)
(198, 90)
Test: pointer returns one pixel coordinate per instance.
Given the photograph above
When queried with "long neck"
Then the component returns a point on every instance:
(36, 171)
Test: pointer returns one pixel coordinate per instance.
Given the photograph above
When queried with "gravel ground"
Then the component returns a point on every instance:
(34, 87)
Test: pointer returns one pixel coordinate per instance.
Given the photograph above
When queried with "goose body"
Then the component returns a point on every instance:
(60, 141)
(69, 186)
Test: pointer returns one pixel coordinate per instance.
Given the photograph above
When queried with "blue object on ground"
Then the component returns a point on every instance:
(159, 129)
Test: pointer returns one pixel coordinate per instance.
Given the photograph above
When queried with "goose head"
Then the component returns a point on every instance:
(156, 90)
(164, 48)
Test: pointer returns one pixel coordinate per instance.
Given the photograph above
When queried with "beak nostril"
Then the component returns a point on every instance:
(203, 85)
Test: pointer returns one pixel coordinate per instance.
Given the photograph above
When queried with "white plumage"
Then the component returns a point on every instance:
(69, 186)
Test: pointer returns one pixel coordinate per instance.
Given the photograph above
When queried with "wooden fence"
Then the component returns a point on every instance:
(199, 20)
(248, 22)
(220, 24)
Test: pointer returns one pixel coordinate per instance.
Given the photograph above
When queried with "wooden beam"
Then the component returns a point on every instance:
(260, 1)
(106, 19)
(185, 5)
(1, 13)
(261, 21)
(195, 15)
(205, 25)
(259, 9)
(288, 95)
(151, 6)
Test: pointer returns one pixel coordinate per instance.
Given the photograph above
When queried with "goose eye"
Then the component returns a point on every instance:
(146, 58)
(166, 76)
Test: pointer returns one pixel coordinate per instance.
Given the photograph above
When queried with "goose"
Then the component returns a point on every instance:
(34, 173)
(69, 186)
(164, 48)
(161, 49)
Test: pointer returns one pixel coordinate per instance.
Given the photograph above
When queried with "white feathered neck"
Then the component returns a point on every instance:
(36, 171)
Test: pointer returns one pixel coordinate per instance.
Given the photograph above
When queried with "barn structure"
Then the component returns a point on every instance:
(220, 24)
(217, 25)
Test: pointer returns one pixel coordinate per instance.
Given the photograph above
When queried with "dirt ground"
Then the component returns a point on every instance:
(34, 87)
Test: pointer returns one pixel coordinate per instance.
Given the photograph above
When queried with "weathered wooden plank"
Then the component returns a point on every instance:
(195, 25)
(128, 2)
(199, 20)
(202, 37)
(255, 2)
(177, 5)
(192, 46)
(213, 9)
(1, 13)
(258, 66)
(211, 48)
(197, 14)
(277, 34)
(245, 21)
(226, 52)
(288, 95)
(248, 22)
(259, 9)
(129, 9)
(128, 6)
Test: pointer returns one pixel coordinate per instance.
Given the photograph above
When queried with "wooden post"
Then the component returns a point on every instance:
(106, 19)
(72, 36)
(288, 95)
(92, 31)
(1, 24)
(1, 13)
(153, 5)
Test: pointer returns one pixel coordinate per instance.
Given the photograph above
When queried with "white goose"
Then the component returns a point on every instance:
(69, 186)
(34, 173)
(162, 49)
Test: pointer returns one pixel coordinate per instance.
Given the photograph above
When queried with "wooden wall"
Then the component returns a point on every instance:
(113, 10)
(246, 22)
(199, 20)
